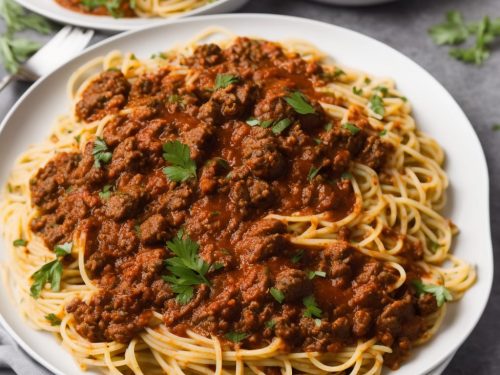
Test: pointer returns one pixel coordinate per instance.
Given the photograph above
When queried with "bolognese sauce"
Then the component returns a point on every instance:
(257, 149)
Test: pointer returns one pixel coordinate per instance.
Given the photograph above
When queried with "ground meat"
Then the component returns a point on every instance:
(263, 240)
(293, 283)
(107, 93)
(246, 169)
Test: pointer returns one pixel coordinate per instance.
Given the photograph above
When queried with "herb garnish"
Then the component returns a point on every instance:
(270, 323)
(441, 294)
(383, 132)
(312, 308)
(455, 31)
(297, 256)
(186, 267)
(328, 127)
(351, 127)
(357, 91)
(13, 50)
(236, 336)
(377, 105)
(19, 242)
(312, 173)
(299, 103)
(105, 193)
(452, 31)
(276, 126)
(50, 272)
(312, 274)
(101, 152)
(112, 6)
(53, 319)
(277, 294)
(183, 167)
(224, 80)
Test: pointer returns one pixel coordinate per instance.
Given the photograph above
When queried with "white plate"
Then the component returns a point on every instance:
(52, 10)
(435, 110)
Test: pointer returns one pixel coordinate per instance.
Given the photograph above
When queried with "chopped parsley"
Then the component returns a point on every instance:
(236, 336)
(277, 294)
(105, 193)
(270, 324)
(312, 173)
(50, 272)
(452, 31)
(101, 153)
(441, 294)
(186, 267)
(20, 242)
(328, 127)
(276, 126)
(383, 132)
(182, 167)
(383, 90)
(299, 103)
(224, 80)
(297, 256)
(312, 308)
(351, 127)
(53, 319)
(377, 105)
(312, 274)
(112, 6)
(357, 91)
(338, 72)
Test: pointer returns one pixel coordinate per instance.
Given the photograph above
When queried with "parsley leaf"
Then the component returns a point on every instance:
(377, 105)
(281, 125)
(312, 173)
(50, 272)
(64, 249)
(312, 274)
(13, 52)
(299, 103)
(270, 323)
(186, 267)
(328, 127)
(106, 192)
(53, 319)
(312, 308)
(17, 19)
(383, 132)
(236, 336)
(101, 152)
(20, 242)
(297, 256)
(452, 31)
(277, 294)
(357, 91)
(183, 167)
(112, 6)
(351, 127)
(224, 80)
(441, 294)
(479, 52)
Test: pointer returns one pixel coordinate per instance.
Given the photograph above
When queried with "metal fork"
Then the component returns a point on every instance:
(63, 46)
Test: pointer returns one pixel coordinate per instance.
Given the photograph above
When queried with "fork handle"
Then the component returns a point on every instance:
(5, 81)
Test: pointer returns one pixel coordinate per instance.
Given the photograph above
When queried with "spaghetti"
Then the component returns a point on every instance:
(311, 280)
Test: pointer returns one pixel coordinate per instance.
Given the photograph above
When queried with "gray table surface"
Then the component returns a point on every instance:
(403, 25)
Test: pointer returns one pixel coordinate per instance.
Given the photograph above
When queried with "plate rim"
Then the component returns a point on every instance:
(107, 23)
(489, 281)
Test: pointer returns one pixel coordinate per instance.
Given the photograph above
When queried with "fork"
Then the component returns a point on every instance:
(63, 46)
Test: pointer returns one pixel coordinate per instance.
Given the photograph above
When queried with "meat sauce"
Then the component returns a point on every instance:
(122, 10)
(244, 173)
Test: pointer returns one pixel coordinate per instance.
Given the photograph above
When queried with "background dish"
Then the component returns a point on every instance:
(52, 10)
(466, 166)
(354, 3)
